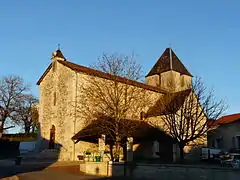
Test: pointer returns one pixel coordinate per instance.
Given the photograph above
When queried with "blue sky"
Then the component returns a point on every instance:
(204, 34)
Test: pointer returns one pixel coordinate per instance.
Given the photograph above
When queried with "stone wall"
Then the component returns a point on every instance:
(56, 97)
(103, 168)
(159, 171)
(61, 105)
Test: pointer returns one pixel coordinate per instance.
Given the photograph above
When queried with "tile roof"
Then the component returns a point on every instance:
(100, 74)
(227, 119)
(164, 64)
(172, 103)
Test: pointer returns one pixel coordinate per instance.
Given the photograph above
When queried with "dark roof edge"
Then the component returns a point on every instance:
(101, 74)
(44, 74)
(104, 75)
(170, 70)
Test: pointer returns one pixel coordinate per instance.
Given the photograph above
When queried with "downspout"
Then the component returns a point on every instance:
(75, 118)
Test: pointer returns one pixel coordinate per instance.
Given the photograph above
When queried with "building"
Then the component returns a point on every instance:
(61, 84)
(226, 135)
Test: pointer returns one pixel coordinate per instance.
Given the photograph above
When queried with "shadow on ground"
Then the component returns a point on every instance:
(63, 173)
(45, 154)
(8, 167)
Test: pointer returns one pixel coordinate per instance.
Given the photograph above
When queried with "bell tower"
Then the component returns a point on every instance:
(58, 55)
(169, 73)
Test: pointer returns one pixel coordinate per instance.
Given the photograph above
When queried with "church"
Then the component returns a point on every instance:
(60, 123)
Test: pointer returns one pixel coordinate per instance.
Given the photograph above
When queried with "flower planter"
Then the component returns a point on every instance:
(98, 158)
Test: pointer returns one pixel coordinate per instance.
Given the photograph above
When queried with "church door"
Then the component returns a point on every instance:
(52, 138)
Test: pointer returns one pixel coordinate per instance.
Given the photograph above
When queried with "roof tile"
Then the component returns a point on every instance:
(227, 119)
(172, 103)
(104, 75)
(100, 74)
(164, 64)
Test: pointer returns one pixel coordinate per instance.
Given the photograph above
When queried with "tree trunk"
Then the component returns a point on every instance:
(181, 153)
(117, 151)
(33, 129)
(181, 149)
(27, 129)
(1, 128)
(1, 131)
(111, 151)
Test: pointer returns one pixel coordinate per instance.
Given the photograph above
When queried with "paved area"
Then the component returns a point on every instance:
(47, 171)
(52, 175)
(11, 162)
(43, 171)
(8, 167)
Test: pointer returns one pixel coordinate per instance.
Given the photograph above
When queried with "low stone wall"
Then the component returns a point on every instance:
(156, 171)
(95, 168)
(103, 168)
(184, 172)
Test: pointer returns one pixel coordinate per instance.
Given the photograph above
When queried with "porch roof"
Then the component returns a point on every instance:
(138, 129)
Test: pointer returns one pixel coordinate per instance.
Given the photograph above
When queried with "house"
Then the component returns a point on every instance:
(226, 135)
(60, 86)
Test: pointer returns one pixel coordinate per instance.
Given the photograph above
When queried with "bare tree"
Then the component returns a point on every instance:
(111, 103)
(12, 89)
(185, 115)
(27, 113)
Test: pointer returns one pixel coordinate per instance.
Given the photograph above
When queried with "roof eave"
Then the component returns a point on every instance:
(152, 74)
(44, 74)
(104, 75)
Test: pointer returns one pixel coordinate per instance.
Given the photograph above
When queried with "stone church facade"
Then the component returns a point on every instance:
(60, 86)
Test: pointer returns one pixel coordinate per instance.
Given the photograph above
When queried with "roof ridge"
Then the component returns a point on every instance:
(229, 115)
(227, 119)
(94, 72)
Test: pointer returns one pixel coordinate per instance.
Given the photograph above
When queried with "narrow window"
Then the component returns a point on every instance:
(142, 115)
(54, 98)
(54, 66)
(182, 81)
(233, 142)
(213, 143)
(160, 80)
(52, 138)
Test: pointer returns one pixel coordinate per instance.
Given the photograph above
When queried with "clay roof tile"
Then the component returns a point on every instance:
(168, 62)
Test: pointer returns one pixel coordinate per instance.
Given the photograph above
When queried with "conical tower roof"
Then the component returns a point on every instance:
(168, 61)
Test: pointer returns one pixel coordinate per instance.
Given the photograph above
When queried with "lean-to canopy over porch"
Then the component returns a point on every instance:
(138, 129)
